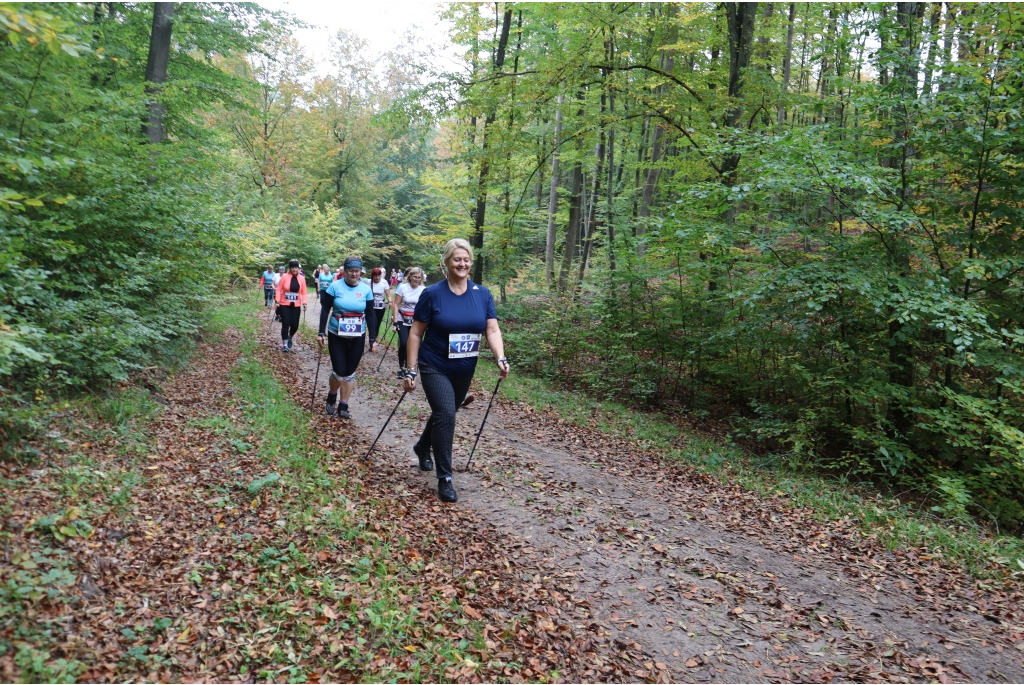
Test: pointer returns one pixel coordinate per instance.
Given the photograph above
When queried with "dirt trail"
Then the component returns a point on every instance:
(714, 583)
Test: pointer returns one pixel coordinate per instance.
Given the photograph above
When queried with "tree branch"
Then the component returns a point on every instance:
(660, 72)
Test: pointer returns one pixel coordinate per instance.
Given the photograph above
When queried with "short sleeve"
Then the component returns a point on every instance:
(424, 308)
(492, 311)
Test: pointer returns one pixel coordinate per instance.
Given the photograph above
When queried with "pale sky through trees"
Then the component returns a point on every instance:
(382, 23)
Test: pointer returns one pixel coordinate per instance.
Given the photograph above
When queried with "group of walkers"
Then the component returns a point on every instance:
(439, 328)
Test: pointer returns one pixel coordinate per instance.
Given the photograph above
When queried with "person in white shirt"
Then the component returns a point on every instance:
(381, 300)
(406, 296)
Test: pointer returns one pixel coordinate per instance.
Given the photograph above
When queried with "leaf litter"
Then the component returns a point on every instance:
(708, 579)
(216, 566)
(568, 558)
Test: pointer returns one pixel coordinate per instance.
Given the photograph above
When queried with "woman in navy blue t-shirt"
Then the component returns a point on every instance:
(449, 321)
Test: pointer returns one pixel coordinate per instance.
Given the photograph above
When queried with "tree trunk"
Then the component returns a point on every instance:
(658, 143)
(588, 241)
(966, 26)
(804, 79)
(505, 241)
(766, 16)
(651, 179)
(549, 251)
(572, 234)
(480, 210)
(609, 218)
(539, 189)
(948, 27)
(907, 19)
(933, 44)
(156, 68)
(901, 359)
(97, 21)
(740, 19)
(485, 167)
(641, 157)
(787, 63)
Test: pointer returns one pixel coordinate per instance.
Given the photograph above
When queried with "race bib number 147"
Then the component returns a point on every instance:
(462, 345)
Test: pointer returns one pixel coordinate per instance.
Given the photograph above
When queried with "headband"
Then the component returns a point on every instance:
(353, 264)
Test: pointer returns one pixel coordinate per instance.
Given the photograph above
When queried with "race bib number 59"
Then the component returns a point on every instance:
(462, 345)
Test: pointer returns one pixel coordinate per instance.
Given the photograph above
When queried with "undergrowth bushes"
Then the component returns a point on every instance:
(109, 246)
(809, 383)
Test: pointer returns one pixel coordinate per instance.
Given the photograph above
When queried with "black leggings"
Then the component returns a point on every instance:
(374, 325)
(444, 395)
(371, 324)
(345, 354)
(403, 343)
(325, 310)
(289, 320)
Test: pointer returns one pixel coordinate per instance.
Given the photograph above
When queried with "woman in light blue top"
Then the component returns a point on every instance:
(346, 304)
(267, 281)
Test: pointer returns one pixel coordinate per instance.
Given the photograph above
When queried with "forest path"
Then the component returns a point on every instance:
(714, 582)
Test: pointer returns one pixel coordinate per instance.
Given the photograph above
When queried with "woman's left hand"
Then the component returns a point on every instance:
(503, 368)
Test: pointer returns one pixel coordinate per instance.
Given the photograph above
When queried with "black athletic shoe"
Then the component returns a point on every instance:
(332, 407)
(445, 491)
(343, 413)
(426, 463)
(468, 401)
(289, 343)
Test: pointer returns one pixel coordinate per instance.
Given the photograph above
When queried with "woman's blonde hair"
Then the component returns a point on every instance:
(413, 270)
(451, 246)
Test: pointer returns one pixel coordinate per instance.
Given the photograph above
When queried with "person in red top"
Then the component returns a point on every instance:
(291, 296)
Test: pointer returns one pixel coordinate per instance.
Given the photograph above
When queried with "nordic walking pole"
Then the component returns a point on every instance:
(270, 322)
(482, 424)
(386, 349)
(367, 455)
(316, 377)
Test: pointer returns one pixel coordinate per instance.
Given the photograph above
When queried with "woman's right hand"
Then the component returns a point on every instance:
(320, 339)
(408, 384)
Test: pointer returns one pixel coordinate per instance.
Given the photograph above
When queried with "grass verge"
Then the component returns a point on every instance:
(385, 625)
(302, 576)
